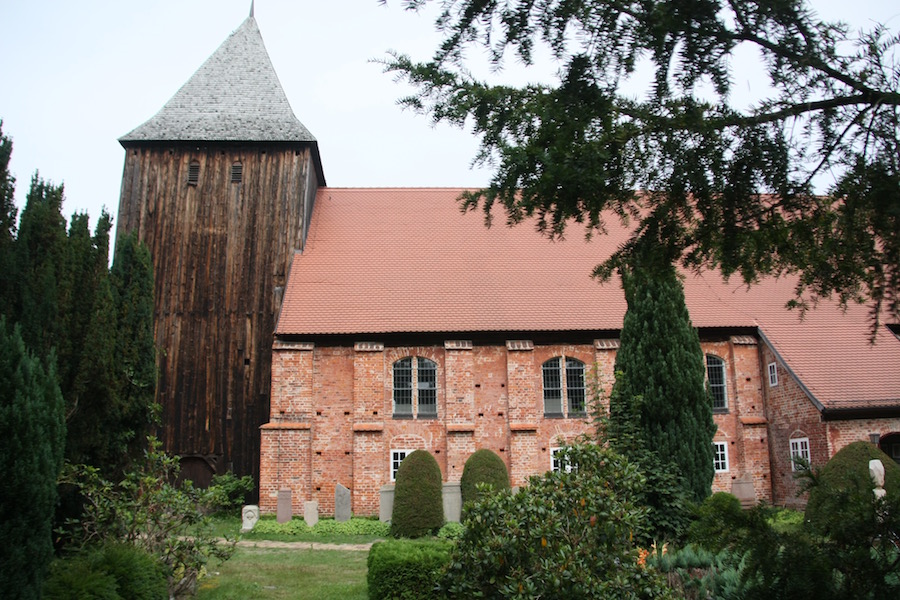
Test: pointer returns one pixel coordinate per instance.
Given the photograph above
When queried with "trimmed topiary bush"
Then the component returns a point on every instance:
(418, 505)
(484, 466)
(841, 493)
(406, 569)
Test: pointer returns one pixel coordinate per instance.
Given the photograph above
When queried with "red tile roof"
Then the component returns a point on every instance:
(386, 260)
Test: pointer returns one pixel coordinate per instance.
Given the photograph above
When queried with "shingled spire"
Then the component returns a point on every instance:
(234, 96)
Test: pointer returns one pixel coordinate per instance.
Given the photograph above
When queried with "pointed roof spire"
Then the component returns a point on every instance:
(234, 96)
(252, 2)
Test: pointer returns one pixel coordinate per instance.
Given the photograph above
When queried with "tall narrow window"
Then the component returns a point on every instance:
(193, 173)
(415, 388)
(403, 392)
(720, 457)
(237, 172)
(799, 450)
(715, 373)
(773, 374)
(557, 396)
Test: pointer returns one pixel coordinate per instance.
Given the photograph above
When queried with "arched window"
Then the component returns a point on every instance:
(715, 374)
(415, 388)
(564, 389)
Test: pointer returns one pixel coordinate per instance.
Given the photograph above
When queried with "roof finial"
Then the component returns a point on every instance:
(252, 2)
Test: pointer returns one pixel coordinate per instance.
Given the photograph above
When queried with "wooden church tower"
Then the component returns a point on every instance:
(220, 185)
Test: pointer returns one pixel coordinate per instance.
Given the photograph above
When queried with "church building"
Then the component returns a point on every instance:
(314, 336)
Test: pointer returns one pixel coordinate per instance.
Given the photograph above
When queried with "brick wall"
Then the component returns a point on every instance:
(488, 396)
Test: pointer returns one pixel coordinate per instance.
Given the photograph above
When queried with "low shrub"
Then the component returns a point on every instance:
(716, 526)
(227, 492)
(406, 569)
(451, 531)
(114, 571)
(418, 502)
(694, 573)
(355, 526)
(484, 467)
(567, 534)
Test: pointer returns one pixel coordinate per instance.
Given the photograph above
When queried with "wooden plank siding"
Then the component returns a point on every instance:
(221, 253)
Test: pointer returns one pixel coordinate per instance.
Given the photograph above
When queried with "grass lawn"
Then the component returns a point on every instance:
(287, 574)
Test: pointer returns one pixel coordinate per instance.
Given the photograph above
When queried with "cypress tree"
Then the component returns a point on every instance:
(131, 279)
(32, 437)
(8, 214)
(660, 363)
(40, 255)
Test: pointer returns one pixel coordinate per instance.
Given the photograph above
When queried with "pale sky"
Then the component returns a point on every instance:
(77, 75)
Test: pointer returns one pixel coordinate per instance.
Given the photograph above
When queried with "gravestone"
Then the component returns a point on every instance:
(342, 503)
(284, 512)
(743, 489)
(311, 513)
(249, 517)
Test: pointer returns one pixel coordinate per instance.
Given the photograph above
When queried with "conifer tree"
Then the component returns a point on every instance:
(8, 214)
(32, 438)
(661, 363)
(131, 279)
(40, 255)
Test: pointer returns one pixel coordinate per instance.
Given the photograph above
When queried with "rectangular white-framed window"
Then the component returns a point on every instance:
(397, 457)
(557, 462)
(773, 374)
(720, 457)
(799, 449)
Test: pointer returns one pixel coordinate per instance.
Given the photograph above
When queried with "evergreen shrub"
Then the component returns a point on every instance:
(484, 466)
(406, 569)
(418, 504)
(113, 571)
(831, 508)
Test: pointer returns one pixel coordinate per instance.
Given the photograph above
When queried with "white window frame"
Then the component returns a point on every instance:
(396, 459)
(720, 465)
(722, 365)
(555, 462)
(799, 448)
(565, 364)
(773, 374)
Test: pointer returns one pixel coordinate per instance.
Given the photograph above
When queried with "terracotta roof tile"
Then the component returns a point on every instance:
(407, 260)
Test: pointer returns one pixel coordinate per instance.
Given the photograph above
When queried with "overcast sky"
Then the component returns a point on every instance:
(77, 75)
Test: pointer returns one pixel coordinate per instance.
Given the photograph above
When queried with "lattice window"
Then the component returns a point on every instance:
(715, 374)
(397, 457)
(415, 388)
(720, 457)
(570, 396)
(773, 374)
(799, 450)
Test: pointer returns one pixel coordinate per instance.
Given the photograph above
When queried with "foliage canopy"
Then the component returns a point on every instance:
(727, 183)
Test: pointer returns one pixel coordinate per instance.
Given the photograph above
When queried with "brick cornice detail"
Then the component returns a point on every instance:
(743, 340)
(609, 344)
(283, 345)
(519, 345)
(458, 345)
(753, 421)
(368, 427)
(286, 426)
(368, 347)
(461, 428)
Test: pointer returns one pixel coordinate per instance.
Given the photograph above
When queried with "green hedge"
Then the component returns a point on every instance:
(484, 466)
(418, 503)
(406, 569)
(355, 526)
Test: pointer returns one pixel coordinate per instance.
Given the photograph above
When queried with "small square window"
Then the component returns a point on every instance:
(773, 374)
(799, 449)
(397, 457)
(720, 457)
(557, 462)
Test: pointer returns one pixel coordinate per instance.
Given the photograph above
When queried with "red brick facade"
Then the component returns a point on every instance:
(332, 414)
